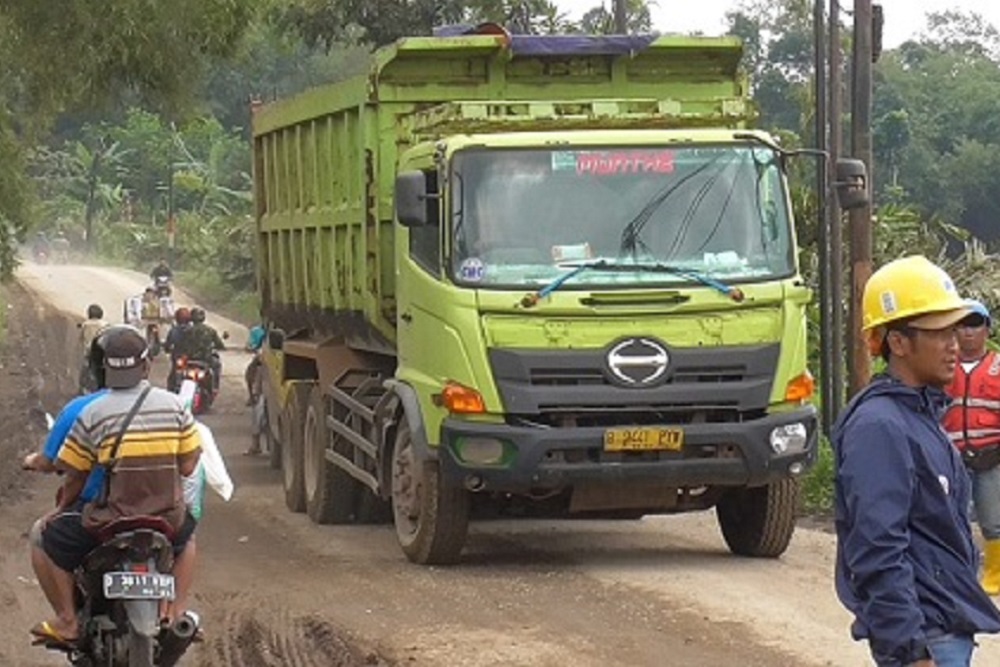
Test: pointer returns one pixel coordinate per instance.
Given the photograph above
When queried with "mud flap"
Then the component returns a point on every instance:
(143, 616)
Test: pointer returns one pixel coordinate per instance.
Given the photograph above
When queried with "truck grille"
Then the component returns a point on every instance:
(576, 388)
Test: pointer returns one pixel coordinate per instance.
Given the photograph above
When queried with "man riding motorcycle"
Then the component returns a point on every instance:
(161, 270)
(142, 477)
(162, 277)
(176, 343)
(202, 343)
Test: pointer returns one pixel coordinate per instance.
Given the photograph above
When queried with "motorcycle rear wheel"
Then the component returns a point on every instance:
(140, 650)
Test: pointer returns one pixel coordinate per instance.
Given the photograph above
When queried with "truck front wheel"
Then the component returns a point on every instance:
(431, 517)
(292, 417)
(331, 493)
(758, 522)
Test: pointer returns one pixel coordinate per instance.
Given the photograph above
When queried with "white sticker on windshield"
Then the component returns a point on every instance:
(472, 270)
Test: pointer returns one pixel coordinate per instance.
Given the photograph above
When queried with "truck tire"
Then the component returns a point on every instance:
(431, 518)
(759, 522)
(331, 493)
(292, 419)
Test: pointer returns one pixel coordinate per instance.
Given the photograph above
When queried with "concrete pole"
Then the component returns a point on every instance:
(861, 219)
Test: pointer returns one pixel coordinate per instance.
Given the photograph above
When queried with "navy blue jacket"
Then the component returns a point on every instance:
(906, 562)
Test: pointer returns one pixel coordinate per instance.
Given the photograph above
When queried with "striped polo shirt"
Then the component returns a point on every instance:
(146, 479)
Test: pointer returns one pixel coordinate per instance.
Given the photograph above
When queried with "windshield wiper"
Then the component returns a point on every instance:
(630, 239)
(734, 293)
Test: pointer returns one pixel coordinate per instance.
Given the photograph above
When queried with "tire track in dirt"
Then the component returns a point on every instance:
(255, 633)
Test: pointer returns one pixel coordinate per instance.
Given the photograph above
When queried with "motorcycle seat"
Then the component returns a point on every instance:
(132, 524)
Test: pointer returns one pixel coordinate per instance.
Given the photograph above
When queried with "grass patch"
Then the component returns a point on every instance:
(209, 289)
(817, 485)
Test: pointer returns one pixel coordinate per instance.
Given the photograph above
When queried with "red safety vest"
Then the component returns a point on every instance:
(973, 419)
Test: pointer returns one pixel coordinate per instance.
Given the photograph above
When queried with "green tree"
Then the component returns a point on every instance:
(601, 19)
(779, 45)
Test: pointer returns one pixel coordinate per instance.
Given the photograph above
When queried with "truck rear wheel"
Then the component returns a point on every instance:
(759, 522)
(431, 518)
(292, 418)
(331, 493)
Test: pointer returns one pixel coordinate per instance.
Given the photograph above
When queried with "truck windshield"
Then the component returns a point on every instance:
(525, 217)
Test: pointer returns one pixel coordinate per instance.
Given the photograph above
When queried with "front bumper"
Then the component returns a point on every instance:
(548, 459)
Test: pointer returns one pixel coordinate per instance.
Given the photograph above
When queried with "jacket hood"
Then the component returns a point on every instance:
(923, 399)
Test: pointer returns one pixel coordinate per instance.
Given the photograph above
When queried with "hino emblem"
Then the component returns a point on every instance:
(638, 361)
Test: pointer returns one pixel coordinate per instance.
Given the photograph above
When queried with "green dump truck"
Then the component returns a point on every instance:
(535, 276)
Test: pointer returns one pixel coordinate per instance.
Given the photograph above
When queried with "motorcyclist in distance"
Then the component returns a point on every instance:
(162, 269)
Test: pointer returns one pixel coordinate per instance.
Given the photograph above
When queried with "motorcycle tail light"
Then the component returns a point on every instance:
(141, 568)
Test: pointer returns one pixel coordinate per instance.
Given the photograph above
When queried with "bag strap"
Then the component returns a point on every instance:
(102, 501)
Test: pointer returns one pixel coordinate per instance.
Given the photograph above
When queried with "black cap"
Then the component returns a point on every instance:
(125, 355)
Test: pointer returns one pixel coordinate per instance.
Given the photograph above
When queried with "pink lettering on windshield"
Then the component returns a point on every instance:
(608, 163)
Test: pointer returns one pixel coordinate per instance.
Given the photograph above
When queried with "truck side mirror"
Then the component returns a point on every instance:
(411, 199)
(851, 183)
(275, 339)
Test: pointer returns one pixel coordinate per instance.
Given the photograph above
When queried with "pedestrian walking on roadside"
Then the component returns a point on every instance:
(906, 560)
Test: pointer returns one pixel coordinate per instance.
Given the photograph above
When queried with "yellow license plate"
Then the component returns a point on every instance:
(643, 439)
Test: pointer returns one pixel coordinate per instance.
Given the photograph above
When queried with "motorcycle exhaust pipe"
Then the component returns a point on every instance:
(177, 638)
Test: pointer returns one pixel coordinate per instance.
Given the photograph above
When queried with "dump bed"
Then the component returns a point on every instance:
(325, 161)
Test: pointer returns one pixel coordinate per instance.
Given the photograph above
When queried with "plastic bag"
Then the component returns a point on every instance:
(215, 467)
(194, 490)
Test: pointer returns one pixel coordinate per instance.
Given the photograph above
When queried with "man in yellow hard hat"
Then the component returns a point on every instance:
(906, 561)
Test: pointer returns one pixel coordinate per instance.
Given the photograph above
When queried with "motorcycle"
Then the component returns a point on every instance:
(162, 286)
(153, 339)
(195, 381)
(119, 590)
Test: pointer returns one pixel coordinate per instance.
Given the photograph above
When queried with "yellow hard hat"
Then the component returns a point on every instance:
(912, 287)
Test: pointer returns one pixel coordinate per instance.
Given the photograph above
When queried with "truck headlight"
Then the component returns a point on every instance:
(789, 438)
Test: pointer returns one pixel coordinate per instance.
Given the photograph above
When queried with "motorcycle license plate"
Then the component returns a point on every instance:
(138, 586)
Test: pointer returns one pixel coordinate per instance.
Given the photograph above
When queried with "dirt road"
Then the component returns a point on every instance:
(276, 590)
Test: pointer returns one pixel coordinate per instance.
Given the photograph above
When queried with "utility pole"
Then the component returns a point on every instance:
(835, 215)
(621, 17)
(861, 218)
(826, 293)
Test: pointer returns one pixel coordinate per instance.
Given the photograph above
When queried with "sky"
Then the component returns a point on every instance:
(903, 18)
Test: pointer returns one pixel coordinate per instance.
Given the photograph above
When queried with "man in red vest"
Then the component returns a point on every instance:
(973, 425)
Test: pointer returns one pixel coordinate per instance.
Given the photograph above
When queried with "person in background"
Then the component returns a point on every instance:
(176, 343)
(161, 270)
(906, 560)
(150, 305)
(255, 343)
(203, 344)
(91, 326)
(89, 329)
(973, 425)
